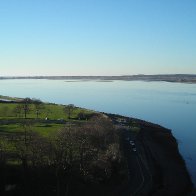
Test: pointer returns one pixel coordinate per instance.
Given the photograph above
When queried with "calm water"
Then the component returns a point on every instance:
(172, 105)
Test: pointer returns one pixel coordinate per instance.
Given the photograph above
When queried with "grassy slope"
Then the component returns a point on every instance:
(52, 111)
(12, 125)
(10, 122)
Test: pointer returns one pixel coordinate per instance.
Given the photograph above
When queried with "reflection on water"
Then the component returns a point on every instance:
(172, 105)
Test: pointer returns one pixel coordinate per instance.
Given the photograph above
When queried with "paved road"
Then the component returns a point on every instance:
(139, 175)
(140, 179)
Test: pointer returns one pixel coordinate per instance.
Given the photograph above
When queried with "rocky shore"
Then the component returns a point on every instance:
(170, 176)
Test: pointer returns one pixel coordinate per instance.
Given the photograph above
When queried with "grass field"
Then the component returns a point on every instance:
(14, 125)
(11, 122)
(51, 111)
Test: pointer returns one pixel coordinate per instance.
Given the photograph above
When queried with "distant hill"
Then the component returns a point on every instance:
(183, 78)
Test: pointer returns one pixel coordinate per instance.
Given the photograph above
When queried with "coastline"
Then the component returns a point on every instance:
(159, 151)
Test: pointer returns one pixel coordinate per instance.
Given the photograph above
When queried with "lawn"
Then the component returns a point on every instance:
(45, 129)
(51, 111)
(11, 122)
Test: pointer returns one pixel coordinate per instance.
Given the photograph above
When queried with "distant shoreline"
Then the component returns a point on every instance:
(178, 78)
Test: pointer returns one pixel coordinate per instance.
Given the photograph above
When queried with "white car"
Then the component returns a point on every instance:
(132, 143)
(134, 150)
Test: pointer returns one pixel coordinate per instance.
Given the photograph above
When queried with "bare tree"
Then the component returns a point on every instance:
(22, 142)
(38, 104)
(69, 110)
(62, 157)
(26, 106)
(82, 116)
(39, 149)
(98, 146)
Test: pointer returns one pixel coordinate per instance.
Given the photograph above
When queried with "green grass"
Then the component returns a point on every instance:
(10, 122)
(6, 110)
(47, 129)
(7, 131)
(10, 128)
(43, 128)
(51, 111)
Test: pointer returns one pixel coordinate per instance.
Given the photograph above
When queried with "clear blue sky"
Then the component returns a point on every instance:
(97, 37)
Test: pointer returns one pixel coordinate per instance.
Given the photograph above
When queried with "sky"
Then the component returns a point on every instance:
(97, 37)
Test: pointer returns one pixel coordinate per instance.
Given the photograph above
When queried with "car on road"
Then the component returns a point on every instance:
(132, 142)
(134, 149)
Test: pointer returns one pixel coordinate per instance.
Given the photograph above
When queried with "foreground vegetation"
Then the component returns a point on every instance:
(48, 149)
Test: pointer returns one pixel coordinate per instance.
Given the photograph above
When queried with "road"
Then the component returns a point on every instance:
(139, 175)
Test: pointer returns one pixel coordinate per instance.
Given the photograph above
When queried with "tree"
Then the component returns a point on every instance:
(39, 149)
(26, 106)
(22, 144)
(31, 150)
(61, 157)
(69, 110)
(99, 148)
(38, 104)
(82, 116)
